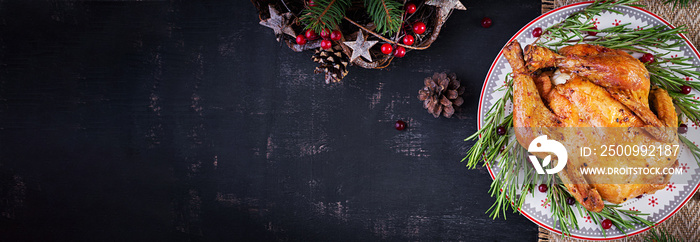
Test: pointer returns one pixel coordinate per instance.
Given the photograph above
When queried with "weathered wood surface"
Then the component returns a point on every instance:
(187, 121)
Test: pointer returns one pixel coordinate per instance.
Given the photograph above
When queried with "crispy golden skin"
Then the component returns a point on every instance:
(623, 76)
(530, 111)
(608, 88)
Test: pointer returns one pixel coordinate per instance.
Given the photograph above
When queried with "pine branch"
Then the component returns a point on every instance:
(386, 15)
(325, 14)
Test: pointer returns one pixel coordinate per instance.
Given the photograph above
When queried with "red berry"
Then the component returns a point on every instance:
(570, 200)
(336, 35)
(400, 52)
(593, 33)
(647, 58)
(501, 130)
(386, 49)
(326, 44)
(542, 188)
(410, 8)
(685, 89)
(486, 22)
(606, 224)
(537, 32)
(311, 3)
(683, 128)
(419, 28)
(400, 125)
(310, 34)
(301, 40)
(408, 40)
(325, 33)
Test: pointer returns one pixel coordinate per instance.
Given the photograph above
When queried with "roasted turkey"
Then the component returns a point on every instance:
(605, 88)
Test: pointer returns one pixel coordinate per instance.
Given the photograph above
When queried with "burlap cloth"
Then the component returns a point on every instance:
(685, 224)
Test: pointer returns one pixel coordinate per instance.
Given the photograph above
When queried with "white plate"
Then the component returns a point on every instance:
(660, 205)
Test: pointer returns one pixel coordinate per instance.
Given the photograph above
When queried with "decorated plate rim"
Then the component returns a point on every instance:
(480, 117)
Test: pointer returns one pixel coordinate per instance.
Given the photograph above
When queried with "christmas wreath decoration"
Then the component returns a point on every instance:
(368, 33)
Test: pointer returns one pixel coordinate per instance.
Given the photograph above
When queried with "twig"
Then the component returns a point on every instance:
(384, 38)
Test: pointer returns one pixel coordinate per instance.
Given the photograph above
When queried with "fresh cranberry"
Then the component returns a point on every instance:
(411, 8)
(386, 49)
(593, 33)
(647, 58)
(301, 40)
(537, 32)
(606, 224)
(400, 125)
(419, 28)
(685, 89)
(500, 130)
(400, 51)
(542, 187)
(486, 22)
(336, 35)
(683, 128)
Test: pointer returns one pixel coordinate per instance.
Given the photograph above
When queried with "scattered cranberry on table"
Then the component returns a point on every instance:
(647, 58)
(326, 44)
(400, 51)
(606, 224)
(336, 35)
(386, 49)
(542, 188)
(301, 40)
(411, 8)
(419, 28)
(486, 22)
(683, 128)
(408, 40)
(400, 125)
(537, 32)
(685, 89)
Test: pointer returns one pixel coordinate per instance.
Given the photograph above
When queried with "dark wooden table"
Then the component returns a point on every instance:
(187, 121)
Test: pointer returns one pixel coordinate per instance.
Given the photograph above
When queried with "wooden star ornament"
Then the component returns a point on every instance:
(446, 6)
(279, 23)
(360, 47)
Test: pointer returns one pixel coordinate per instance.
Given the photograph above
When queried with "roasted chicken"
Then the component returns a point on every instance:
(605, 88)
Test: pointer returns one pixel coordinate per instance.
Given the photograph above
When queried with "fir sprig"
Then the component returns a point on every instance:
(503, 151)
(386, 15)
(324, 14)
(327, 14)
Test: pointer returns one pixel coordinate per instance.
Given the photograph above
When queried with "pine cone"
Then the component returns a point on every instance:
(334, 63)
(441, 94)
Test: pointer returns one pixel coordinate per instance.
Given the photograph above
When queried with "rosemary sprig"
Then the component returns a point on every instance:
(660, 235)
(503, 151)
(693, 148)
(679, 3)
(618, 218)
(488, 144)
